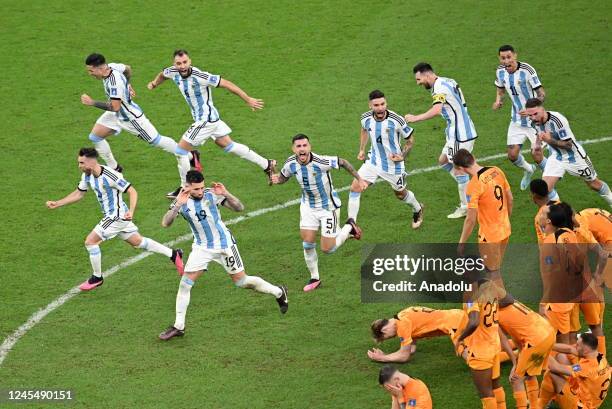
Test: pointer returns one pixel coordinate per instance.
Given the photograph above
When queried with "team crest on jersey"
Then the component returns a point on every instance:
(388, 131)
(576, 368)
(412, 403)
(548, 260)
(113, 91)
(121, 183)
(468, 198)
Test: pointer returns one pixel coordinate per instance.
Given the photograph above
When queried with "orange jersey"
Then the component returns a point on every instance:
(485, 339)
(487, 192)
(420, 322)
(595, 224)
(524, 325)
(590, 380)
(561, 266)
(539, 229)
(416, 395)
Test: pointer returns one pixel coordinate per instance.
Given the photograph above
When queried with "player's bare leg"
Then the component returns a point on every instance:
(148, 244)
(408, 197)
(516, 157)
(462, 180)
(92, 244)
(484, 385)
(242, 280)
(183, 297)
(355, 198)
(244, 152)
(187, 157)
(551, 181)
(98, 136)
(602, 188)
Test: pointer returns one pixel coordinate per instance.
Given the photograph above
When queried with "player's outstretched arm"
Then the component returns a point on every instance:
(71, 198)
(112, 105)
(133, 195)
(363, 140)
(499, 99)
(433, 111)
(558, 368)
(157, 81)
(400, 356)
(565, 349)
(254, 103)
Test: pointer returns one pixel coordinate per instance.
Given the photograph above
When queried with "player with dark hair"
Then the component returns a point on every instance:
(406, 392)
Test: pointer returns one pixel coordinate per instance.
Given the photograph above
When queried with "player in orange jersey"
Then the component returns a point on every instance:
(539, 196)
(406, 391)
(414, 323)
(583, 384)
(490, 202)
(598, 222)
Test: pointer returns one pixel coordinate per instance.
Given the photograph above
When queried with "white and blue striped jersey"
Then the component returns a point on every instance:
(385, 136)
(116, 87)
(520, 86)
(196, 89)
(204, 218)
(314, 179)
(459, 125)
(559, 128)
(108, 187)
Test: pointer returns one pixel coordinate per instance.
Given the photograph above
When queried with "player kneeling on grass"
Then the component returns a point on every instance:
(320, 206)
(212, 241)
(109, 186)
(406, 391)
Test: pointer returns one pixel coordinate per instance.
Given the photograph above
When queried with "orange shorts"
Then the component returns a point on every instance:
(481, 362)
(559, 320)
(592, 312)
(532, 360)
(493, 254)
(566, 399)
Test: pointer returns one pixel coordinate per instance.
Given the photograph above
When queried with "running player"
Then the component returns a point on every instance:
(490, 202)
(385, 129)
(109, 186)
(212, 241)
(581, 384)
(449, 102)
(196, 86)
(320, 207)
(520, 81)
(406, 392)
(567, 154)
(124, 114)
(411, 324)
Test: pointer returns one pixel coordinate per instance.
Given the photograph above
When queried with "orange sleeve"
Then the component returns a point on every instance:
(404, 332)
(472, 193)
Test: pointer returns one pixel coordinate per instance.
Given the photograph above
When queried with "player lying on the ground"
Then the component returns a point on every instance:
(406, 392)
(196, 86)
(109, 187)
(212, 241)
(320, 207)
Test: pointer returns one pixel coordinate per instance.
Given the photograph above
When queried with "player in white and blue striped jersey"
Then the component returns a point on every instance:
(520, 82)
(448, 101)
(196, 86)
(567, 154)
(386, 131)
(109, 186)
(212, 241)
(320, 207)
(122, 113)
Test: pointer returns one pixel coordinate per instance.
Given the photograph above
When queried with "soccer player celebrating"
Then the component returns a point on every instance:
(109, 186)
(212, 241)
(567, 154)
(320, 207)
(449, 102)
(196, 86)
(384, 129)
(582, 384)
(490, 201)
(124, 114)
(520, 81)
(406, 391)
(411, 324)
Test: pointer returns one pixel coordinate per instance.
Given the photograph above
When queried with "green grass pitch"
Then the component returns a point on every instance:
(313, 63)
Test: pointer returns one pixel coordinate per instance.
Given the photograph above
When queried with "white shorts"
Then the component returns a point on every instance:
(199, 132)
(141, 127)
(313, 219)
(453, 146)
(110, 227)
(517, 134)
(371, 173)
(583, 168)
(200, 256)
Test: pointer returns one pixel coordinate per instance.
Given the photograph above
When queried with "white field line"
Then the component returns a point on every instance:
(39, 315)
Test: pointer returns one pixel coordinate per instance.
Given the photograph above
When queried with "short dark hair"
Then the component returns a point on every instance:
(422, 67)
(88, 152)
(298, 137)
(95, 60)
(505, 47)
(377, 327)
(533, 102)
(386, 373)
(463, 158)
(539, 187)
(559, 216)
(376, 94)
(180, 52)
(589, 340)
(194, 176)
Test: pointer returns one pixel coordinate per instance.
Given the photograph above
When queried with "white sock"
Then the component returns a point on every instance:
(342, 235)
(104, 150)
(412, 201)
(167, 144)
(605, 192)
(244, 152)
(312, 260)
(95, 257)
(553, 195)
(520, 162)
(260, 285)
(462, 182)
(542, 164)
(183, 167)
(182, 302)
(151, 245)
(353, 205)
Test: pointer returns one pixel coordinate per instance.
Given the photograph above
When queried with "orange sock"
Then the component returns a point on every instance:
(547, 391)
(500, 397)
(601, 345)
(488, 403)
(532, 387)
(521, 399)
